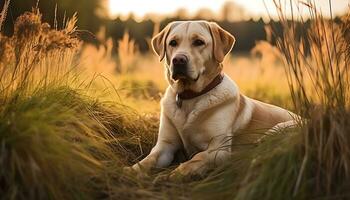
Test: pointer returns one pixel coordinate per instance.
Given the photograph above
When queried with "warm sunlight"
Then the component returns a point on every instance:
(140, 8)
(254, 8)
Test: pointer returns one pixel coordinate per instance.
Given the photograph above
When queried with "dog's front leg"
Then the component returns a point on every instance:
(200, 164)
(163, 152)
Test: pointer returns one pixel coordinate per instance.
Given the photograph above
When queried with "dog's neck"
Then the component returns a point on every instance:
(190, 94)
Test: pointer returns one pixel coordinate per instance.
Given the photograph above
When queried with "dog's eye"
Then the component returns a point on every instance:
(198, 43)
(173, 43)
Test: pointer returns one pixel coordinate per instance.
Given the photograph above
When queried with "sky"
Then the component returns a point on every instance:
(254, 8)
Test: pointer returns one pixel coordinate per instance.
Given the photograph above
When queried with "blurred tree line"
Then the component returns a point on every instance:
(246, 32)
(92, 14)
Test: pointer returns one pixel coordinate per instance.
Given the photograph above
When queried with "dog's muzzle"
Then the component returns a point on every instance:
(179, 69)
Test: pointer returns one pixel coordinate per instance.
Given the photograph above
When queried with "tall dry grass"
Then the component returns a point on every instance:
(34, 46)
(127, 53)
(57, 140)
(99, 59)
(320, 59)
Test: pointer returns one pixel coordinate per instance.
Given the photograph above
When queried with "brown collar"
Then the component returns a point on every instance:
(189, 94)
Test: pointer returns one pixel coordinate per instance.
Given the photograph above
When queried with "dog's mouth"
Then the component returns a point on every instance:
(184, 78)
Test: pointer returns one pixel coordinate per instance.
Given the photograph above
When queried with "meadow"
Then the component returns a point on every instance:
(73, 114)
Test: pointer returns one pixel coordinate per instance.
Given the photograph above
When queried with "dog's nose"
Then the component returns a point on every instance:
(180, 60)
(179, 66)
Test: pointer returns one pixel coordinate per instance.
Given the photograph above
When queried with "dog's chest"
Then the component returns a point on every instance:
(194, 133)
(198, 128)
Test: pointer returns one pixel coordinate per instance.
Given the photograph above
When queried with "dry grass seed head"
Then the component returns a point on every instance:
(28, 26)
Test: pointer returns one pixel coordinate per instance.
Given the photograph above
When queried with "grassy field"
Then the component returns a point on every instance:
(72, 115)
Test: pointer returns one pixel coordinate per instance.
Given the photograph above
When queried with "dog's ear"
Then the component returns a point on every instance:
(159, 42)
(223, 41)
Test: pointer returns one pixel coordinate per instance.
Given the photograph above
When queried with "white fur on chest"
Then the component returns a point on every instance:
(204, 118)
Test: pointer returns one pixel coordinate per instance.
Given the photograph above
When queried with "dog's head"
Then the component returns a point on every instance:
(194, 51)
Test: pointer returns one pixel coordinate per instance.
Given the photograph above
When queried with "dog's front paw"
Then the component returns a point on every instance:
(136, 170)
(187, 172)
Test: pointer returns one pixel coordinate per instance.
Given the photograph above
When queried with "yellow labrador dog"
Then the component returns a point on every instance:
(202, 107)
